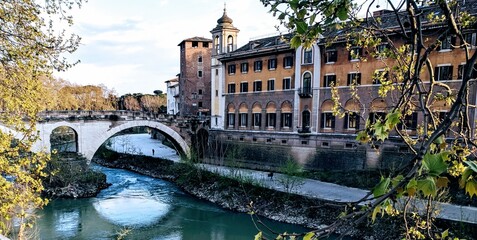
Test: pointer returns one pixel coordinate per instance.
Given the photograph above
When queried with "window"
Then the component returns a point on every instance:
(327, 120)
(286, 120)
(409, 122)
(355, 53)
(354, 78)
(200, 59)
(256, 120)
(231, 69)
(382, 50)
(380, 76)
(230, 44)
(351, 121)
(376, 116)
(271, 120)
(329, 80)
(200, 104)
(199, 73)
(305, 119)
(272, 64)
(231, 88)
(257, 86)
(243, 120)
(217, 94)
(331, 56)
(244, 87)
(205, 44)
(244, 67)
(288, 62)
(306, 87)
(200, 91)
(470, 38)
(217, 45)
(460, 73)
(286, 83)
(442, 73)
(231, 119)
(216, 71)
(257, 66)
(308, 56)
(447, 43)
(195, 44)
(271, 85)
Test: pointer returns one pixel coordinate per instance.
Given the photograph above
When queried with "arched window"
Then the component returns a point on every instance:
(230, 44)
(217, 45)
(306, 87)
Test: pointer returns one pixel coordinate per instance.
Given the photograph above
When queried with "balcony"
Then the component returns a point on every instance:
(305, 92)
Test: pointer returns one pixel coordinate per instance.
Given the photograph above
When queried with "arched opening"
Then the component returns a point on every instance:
(230, 44)
(327, 117)
(352, 117)
(243, 115)
(256, 115)
(64, 139)
(271, 115)
(217, 44)
(306, 85)
(231, 116)
(286, 115)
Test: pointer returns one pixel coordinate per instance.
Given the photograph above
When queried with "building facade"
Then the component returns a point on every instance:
(271, 98)
(173, 99)
(194, 76)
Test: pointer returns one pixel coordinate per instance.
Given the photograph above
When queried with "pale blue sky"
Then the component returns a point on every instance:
(131, 46)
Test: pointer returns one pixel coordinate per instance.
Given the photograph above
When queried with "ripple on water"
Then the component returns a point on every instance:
(131, 211)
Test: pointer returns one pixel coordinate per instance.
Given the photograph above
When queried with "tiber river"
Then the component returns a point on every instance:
(150, 208)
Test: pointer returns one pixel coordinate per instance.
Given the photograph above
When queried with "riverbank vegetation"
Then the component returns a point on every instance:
(243, 194)
(70, 176)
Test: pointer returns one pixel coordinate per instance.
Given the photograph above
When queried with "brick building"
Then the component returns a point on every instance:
(194, 76)
(267, 94)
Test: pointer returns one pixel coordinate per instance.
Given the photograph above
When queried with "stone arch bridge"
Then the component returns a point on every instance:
(93, 128)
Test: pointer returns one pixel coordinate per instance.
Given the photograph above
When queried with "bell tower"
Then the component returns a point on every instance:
(224, 40)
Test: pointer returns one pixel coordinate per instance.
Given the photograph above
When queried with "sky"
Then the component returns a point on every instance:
(131, 46)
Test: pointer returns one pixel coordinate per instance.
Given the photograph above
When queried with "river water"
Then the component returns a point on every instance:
(150, 208)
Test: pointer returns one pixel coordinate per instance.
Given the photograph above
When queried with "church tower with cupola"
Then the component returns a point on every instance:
(224, 40)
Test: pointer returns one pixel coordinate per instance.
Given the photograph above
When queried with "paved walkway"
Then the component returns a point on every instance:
(333, 192)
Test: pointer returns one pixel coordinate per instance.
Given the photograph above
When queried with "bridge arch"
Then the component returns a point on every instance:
(179, 143)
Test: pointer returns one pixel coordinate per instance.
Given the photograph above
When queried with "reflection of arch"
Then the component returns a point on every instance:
(271, 107)
(64, 139)
(243, 108)
(257, 108)
(231, 108)
(378, 105)
(352, 105)
(327, 106)
(286, 107)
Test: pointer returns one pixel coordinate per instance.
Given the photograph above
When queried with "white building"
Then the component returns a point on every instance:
(173, 101)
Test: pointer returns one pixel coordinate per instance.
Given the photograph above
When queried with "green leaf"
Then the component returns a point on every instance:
(342, 13)
(382, 187)
(392, 119)
(472, 165)
(427, 186)
(258, 236)
(301, 27)
(301, 14)
(471, 188)
(376, 210)
(295, 41)
(362, 137)
(434, 164)
(380, 131)
(445, 234)
(308, 236)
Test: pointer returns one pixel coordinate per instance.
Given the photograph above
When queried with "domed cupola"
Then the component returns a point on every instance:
(224, 19)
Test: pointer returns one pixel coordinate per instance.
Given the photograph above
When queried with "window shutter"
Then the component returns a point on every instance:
(436, 73)
(449, 77)
(357, 120)
(414, 121)
(333, 122)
